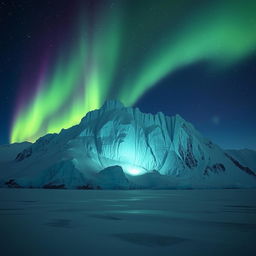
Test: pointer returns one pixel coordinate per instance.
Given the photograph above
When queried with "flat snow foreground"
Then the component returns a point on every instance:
(138, 222)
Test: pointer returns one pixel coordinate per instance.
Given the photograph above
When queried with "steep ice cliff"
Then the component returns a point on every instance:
(168, 147)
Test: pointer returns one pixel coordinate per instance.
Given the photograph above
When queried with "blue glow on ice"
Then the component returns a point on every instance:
(134, 171)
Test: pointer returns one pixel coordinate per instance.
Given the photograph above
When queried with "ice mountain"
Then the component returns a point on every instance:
(153, 151)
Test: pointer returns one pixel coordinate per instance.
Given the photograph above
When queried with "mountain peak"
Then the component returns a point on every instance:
(112, 104)
(117, 139)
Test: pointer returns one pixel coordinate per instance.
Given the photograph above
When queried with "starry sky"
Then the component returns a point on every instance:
(60, 60)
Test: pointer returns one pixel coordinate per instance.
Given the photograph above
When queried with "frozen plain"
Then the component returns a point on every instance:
(128, 222)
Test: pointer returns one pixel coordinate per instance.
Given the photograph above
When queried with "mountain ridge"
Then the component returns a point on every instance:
(140, 143)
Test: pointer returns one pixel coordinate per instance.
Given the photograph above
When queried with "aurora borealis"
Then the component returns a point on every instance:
(122, 49)
(77, 85)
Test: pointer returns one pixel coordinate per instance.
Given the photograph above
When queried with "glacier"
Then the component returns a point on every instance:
(118, 147)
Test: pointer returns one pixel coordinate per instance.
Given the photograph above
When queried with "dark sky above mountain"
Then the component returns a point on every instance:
(61, 59)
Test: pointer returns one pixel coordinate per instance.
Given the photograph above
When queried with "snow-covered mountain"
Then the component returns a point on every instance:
(245, 157)
(154, 151)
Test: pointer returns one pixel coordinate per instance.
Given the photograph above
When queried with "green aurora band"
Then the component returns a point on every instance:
(121, 61)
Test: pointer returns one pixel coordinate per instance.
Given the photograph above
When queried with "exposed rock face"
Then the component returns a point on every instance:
(136, 142)
(12, 184)
(24, 154)
(240, 166)
(216, 168)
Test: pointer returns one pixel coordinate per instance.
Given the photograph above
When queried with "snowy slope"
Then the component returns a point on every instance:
(169, 148)
(246, 157)
(9, 152)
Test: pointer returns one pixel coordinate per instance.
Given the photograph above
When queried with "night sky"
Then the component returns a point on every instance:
(61, 59)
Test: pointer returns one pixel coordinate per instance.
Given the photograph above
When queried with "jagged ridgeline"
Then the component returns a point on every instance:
(122, 148)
